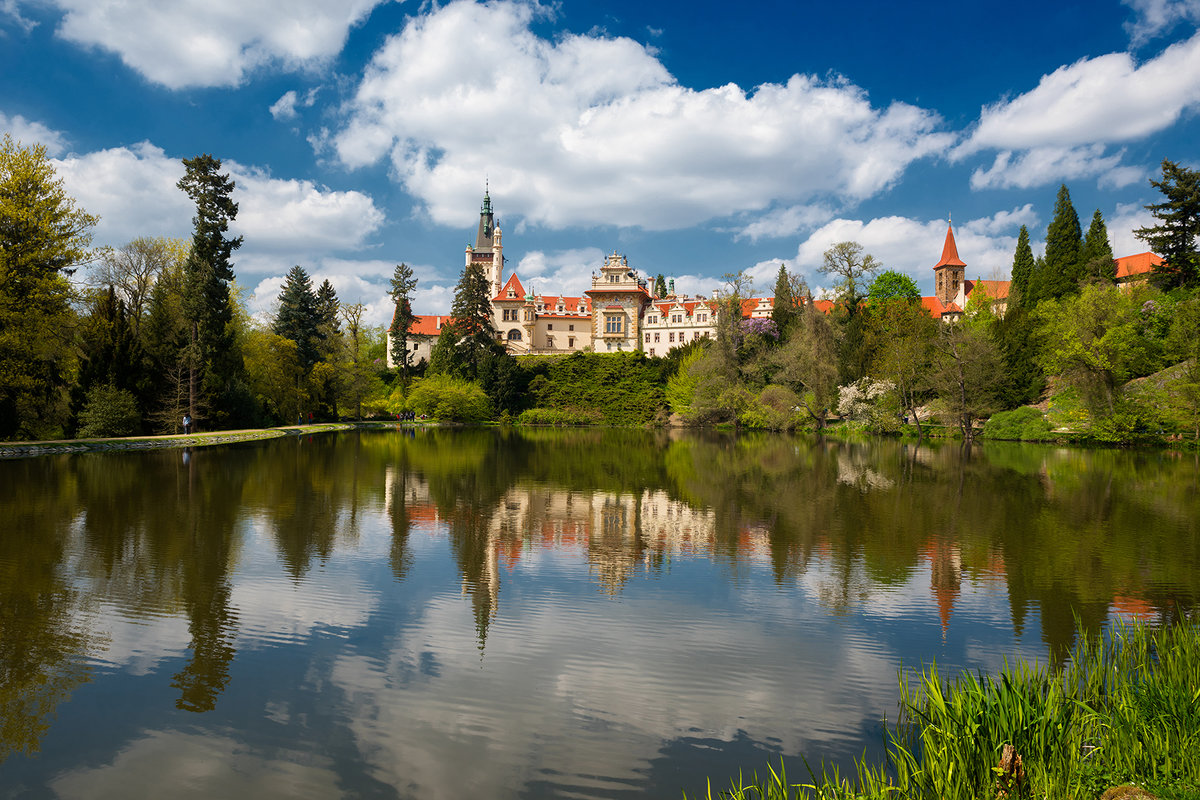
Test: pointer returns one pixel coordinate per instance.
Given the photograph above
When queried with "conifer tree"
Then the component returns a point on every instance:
(472, 312)
(299, 316)
(216, 368)
(1177, 235)
(1022, 272)
(783, 310)
(660, 286)
(1097, 255)
(327, 308)
(1063, 250)
(403, 284)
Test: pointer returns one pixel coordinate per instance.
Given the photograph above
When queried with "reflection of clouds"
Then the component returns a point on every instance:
(184, 765)
(139, 643)
(571, 689)
(854, 470)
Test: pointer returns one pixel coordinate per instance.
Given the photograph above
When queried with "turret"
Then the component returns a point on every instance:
(950, 272)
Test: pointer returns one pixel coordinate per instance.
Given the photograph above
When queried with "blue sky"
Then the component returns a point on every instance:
(697, 138)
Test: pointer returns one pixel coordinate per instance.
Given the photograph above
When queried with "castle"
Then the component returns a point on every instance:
(621, 313)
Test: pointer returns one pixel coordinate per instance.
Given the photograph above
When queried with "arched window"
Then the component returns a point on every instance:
(514, 335)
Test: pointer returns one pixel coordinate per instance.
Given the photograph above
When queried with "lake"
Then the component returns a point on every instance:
(538, 613)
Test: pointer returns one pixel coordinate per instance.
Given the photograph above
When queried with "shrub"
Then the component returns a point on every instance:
(447, 399)
(1025, 424)
(108, 411)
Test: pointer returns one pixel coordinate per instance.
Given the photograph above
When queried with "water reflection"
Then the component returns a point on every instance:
(543, 612)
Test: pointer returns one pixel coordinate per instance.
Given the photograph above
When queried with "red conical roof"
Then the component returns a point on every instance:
(950, 251)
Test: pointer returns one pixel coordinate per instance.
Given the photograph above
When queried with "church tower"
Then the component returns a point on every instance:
(488, 251)
(950, 272)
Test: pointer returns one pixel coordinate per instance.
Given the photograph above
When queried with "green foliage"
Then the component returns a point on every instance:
(660, 286)
(965, 374)
(1064, 266)
(681, 387)
(1020, 291)
(299, 318)
(892, 285)
(447, 399)
(1176, 237)
(403, 286)
(43, 237)
(472, 313)
(625, 388)
(1025, 424)
(1097, 257)
(560, 416)
(775, 408)
(785, 308)
(108, 412)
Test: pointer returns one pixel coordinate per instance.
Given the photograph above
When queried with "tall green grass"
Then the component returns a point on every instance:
(1126, 709)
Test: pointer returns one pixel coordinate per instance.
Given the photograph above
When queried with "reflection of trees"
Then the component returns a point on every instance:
(42, 643)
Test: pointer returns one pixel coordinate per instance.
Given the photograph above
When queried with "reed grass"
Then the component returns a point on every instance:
(1125, 710)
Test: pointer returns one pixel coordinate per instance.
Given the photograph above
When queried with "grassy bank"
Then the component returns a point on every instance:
(1126, 710)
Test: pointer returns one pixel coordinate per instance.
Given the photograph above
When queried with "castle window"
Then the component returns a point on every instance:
(570, 341)
(550, 327)
(671, 337)
(570, 327)
(614, 323)
(514, 335)
(656, 337)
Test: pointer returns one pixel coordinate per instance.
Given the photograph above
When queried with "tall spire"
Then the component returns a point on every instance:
(950, 250)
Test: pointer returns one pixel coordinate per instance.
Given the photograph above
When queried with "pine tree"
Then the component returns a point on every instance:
(1097, 257)
(299, 316)
(216, 368)
(783, 310)
(1177, 233)
(1064, 266)
(472, 312)
(403, 285)
(1022, 272)
(660, 286)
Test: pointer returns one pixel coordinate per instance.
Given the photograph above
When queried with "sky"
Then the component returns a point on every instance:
(698, 139)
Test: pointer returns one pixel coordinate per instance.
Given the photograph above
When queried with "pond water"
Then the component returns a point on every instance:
(539, 613)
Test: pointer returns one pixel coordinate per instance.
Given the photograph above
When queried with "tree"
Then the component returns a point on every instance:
(846, 263)
(784, 306)
(44, 236)
(1064, 264)
(738, 286)
(966, 373)
(1021, 290)
(359, 377)
(808, 362)
(1176, 235)
(299, 316)
(660, 286)
(1097, 256)
(403, 285)
(892, 285)
(216, 367)
(110, 353)
(906, 333)
(472, 312)
(134, 268)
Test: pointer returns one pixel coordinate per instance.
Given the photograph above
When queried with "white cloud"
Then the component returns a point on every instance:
(1156, 17)
(285, 107)
(560, 273)
(590, 130)
(133, 189)
(29, 132)
(12, 10)
(1109, 98)
(914, 246)
(786, 222)
(1125, 219)
(211, 42)
(1042, 165)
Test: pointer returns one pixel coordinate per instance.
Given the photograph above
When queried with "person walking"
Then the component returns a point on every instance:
(187, 423)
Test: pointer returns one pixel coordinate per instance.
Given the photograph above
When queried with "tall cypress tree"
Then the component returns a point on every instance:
(216, 361)
(1177, 233)
(299, 316)
(1022, 272)
(1064, 241)
(403, 284)
(783, 311)
(1097, 255)
(472, 312)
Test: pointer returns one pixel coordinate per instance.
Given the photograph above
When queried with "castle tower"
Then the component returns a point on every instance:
(488, 251)
(950, 272)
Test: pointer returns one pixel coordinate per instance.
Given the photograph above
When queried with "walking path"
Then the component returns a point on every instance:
(22, 449)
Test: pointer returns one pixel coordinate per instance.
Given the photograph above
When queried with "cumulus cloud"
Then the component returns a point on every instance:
(785, 222)
(284, 221)
(1109, 98)
(215, 42)
(285, 107)
(588, 129)
(1156, 17)
(913, 246)
(559, 273)
(1127, 218)
(1042, 165)
(29, 132)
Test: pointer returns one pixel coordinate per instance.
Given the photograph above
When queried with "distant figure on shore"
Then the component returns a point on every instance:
(187, 423)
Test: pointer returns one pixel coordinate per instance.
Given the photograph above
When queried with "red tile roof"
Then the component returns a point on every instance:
(429, 325)
(937, 308)
(1140, 264)
(513, 283)
(997, 290)
(950, 252)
